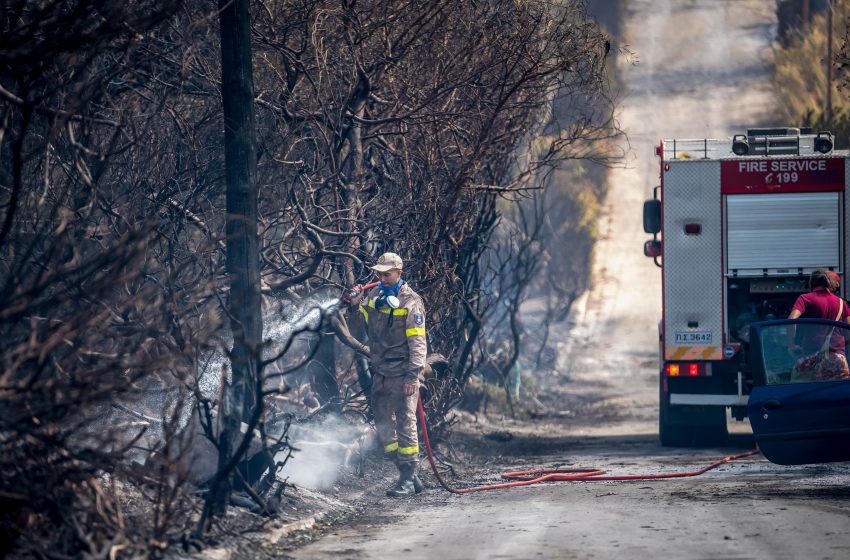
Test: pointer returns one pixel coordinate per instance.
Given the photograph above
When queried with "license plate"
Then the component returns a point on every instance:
(693, 337)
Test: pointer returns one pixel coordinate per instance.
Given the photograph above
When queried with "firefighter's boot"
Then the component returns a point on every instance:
(417, 482)
(405, 486)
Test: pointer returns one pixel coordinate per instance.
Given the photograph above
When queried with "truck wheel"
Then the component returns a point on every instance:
(690, 426)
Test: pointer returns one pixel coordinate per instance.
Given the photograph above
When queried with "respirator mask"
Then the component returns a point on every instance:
(387, 301)
(389, 297)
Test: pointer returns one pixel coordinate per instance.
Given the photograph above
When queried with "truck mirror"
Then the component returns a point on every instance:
(652, 216)
(652, 248)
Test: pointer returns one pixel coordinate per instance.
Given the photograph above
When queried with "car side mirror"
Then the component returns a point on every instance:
(652, 216)
(652, 248)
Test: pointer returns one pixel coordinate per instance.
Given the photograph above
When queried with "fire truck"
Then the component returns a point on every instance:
(737, 226)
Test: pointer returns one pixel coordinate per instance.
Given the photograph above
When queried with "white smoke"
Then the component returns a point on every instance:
(324, 448)
(324, 445)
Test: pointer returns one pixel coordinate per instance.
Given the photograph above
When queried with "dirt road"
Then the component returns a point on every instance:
(703, 71)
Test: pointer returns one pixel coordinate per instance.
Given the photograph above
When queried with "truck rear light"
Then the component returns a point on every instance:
(693, 229)
(689, 369)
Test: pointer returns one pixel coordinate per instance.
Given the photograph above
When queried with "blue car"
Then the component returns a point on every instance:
(799, 407)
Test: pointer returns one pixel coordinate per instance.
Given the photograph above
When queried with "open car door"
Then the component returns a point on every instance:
(799, 407)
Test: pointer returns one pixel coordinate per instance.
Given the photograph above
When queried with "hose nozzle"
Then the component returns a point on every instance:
(351, 293)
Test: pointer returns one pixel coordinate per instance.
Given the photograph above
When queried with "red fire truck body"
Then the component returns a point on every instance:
(742, 224)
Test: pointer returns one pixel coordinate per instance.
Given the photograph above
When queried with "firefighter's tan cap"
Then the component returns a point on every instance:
(388, 261)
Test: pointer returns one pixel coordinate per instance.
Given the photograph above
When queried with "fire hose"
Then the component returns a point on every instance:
(351, 293)
(526, 478)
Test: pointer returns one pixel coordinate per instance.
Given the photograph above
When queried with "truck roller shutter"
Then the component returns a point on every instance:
(782, 233)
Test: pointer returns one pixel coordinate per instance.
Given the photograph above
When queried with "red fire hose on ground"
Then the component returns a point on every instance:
(526, 478)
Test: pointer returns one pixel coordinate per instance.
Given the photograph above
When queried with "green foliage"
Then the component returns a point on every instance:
(485, 397)
(576, 192)
(800, 77)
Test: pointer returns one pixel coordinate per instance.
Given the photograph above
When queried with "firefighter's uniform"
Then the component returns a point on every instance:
(397, 349)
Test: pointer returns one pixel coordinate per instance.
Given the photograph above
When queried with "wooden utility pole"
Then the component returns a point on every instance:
(828, 112)
(243, 252)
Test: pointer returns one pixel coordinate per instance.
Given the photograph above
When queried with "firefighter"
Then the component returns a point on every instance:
(395, 324)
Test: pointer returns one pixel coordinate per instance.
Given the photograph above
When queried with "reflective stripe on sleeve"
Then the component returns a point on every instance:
(412, 450)
(391, 447)
(416, 331)
(365, 313)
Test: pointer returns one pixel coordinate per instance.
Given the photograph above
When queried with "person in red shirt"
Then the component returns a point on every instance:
(822, 363)
(835, 283)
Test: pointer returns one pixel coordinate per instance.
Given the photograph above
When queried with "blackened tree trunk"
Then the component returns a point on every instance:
(243, 256)
(323, 369)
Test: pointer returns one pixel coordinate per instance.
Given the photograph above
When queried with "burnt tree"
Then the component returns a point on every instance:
(237, 93)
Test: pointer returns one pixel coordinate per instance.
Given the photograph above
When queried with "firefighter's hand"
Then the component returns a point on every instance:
(355, 296)
(410, 389)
